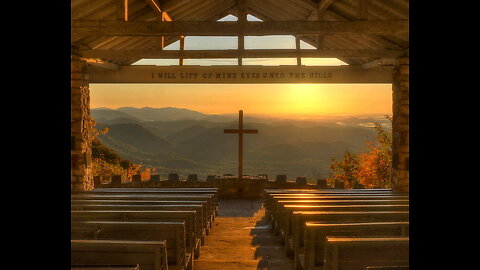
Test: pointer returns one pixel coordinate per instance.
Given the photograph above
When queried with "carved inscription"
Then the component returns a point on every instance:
(240, 75)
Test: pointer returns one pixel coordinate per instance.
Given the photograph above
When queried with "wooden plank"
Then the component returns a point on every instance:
(227, 28)
(148, 254)
(359, 253)
(240, 74)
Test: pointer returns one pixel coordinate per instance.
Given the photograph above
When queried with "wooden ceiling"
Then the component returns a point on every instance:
(298, 11)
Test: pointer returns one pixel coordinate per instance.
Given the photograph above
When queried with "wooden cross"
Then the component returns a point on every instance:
(240, 132)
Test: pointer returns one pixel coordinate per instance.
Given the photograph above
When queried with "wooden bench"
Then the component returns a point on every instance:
(281, 214)
(312, 256)
(148, 255)
(211, 208)
(272, 201)
(285, 218)
(171, 232)
(301, 217)
(76, 203)
(159, 191)
(343, 253)
(199, 217)
(192, 240)
(273, 214)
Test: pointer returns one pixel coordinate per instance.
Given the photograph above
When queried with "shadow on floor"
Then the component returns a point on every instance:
(269, 251)
(239, 207)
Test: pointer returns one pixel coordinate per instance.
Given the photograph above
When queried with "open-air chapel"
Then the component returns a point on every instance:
(233, 221)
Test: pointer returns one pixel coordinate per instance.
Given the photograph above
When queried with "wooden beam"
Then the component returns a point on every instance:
(101, 63)
(252, 53)
(184, 28)
(241, 74)
(379, 63)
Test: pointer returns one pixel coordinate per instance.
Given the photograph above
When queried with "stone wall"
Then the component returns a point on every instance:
(227, 187)
(400, 126)
(81, 127)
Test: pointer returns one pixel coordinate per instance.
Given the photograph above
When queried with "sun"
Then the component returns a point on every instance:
(305, 98)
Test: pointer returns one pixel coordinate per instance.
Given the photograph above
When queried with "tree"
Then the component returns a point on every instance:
(345, 170)
(376, 165)
(372, 169)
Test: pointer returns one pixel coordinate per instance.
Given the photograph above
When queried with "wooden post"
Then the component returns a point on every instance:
(242, 18)
(182, 47)
(297, 46)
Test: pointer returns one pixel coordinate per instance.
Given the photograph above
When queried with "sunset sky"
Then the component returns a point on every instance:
(315, 99)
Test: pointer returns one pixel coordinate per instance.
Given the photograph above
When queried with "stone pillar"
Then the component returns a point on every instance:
(400, 126)
(81, 127)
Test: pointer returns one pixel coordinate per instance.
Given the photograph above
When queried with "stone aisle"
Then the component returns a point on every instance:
(242, 239)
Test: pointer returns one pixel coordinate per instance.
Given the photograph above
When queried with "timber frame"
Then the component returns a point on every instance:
(371, 36)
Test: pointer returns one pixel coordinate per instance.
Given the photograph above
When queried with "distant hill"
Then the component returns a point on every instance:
(186, 141)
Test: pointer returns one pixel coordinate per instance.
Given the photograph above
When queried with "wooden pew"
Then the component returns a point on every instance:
(148, 197)
(159, 191)
(188, 217)
(301, 217)
(199, 217)
(312, 256)
(277, 206)
(285, 218)
(148, 255)
(76, 203)
(342, 253)
(171, 232)
(270, 202)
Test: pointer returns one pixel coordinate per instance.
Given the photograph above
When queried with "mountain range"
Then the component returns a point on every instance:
(186, 141)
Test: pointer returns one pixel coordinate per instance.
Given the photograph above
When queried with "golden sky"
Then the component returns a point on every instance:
(316, 99)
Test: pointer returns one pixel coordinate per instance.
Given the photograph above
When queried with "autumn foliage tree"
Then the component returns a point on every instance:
(345, 170)
(375, 166)
(371, 169)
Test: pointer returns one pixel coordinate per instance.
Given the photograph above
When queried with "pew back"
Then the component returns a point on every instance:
(358, 253)
(171, 232)
(148, 255)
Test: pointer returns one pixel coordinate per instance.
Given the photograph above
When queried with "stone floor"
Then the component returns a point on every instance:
(242, 239)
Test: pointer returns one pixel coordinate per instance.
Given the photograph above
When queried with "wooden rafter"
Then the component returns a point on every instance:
(155, 4)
